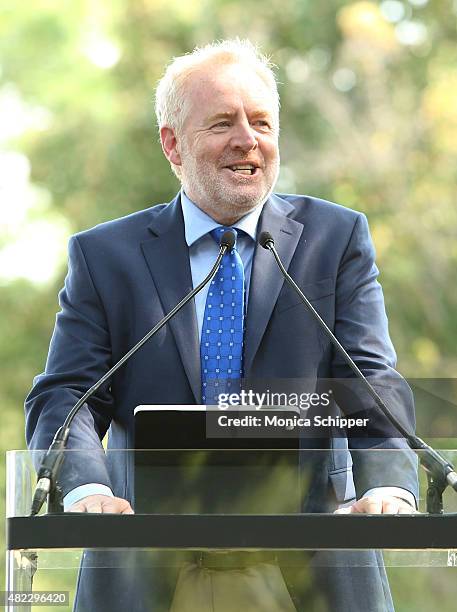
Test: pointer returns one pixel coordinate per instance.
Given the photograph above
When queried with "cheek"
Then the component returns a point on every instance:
(213, 156)
(270, 150)
(208, 150)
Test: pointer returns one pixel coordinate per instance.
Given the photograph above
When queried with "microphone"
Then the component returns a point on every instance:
(228, 240)
(266, 240)
(437, 467)
(51, 464)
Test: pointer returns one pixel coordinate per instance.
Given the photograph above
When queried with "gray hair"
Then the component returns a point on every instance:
(170, 95)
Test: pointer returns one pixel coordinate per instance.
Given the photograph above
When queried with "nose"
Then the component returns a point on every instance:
(244, 137)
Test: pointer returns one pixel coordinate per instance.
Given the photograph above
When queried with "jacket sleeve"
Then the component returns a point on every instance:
(79, 354)
(362, 328)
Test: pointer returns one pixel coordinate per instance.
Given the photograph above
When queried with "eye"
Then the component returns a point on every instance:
(221, 124)
(262, 123)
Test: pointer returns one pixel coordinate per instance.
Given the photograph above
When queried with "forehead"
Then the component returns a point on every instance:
(227, 89)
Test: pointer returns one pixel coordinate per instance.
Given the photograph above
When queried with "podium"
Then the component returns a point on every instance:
(45, 553)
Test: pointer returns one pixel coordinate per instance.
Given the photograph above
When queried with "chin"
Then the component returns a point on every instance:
(244, 204)
(247, 198)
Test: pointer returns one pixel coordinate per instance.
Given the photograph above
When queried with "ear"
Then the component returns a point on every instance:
(170, 145)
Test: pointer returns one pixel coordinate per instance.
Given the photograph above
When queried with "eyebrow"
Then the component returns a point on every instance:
(226, 115)
(229, 115)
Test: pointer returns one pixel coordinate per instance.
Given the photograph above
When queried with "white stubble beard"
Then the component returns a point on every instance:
(213, 194)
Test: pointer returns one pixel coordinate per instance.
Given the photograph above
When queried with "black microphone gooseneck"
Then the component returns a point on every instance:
(51, 464)
(440, 472)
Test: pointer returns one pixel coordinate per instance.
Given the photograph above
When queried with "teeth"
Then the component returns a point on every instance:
(247, 169)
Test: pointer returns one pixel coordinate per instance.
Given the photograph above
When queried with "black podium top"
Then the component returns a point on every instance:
(286, 532)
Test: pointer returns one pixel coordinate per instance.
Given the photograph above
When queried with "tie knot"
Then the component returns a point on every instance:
(217, 234)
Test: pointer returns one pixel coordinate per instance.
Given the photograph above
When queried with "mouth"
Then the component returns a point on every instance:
(243, 169)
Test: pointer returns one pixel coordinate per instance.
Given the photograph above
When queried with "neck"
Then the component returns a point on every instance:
(221, 216)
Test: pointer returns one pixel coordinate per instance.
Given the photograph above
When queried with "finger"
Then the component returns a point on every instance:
(367, 505)
(122, 506)
(78, 507)
(127, 510)
(391, 506)
(116, 505)
(345, 510)
(94, 507)
(110, 506)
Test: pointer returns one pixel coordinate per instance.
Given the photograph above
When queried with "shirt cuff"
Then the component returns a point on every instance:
(93, 488)
(403, 494)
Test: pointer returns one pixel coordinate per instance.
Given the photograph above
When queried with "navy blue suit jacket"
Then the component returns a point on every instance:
(126, 274)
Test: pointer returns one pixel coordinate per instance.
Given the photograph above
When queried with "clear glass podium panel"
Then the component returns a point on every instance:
(235, 530)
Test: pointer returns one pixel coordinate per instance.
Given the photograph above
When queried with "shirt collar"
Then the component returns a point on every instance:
(197, 223)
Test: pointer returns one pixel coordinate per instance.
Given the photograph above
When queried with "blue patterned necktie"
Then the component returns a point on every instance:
(221, 346)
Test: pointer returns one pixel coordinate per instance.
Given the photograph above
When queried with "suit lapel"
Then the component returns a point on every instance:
(266, 278)
(167, 256)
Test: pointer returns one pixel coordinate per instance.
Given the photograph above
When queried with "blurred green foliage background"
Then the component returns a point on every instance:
(369, 119)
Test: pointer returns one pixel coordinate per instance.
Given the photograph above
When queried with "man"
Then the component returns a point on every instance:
(218, 116)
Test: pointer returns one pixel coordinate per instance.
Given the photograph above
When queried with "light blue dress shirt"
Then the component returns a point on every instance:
(203, 251)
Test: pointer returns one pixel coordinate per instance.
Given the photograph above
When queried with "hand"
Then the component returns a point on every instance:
(102, 504)
(378, 504)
